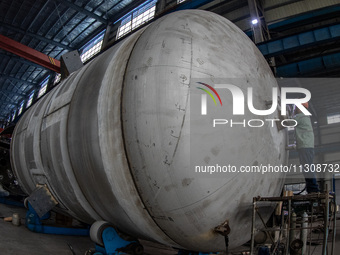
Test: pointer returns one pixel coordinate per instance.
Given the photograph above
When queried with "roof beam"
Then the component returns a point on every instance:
(126, 10)
(11, 93)
(42, 9)
(35, 84)
(300, 41)
(22, 60)
(38, 37)
(115, 17)
(29, 53)
(9, 103)
(91, 36)
(83, 11)
(66, 24)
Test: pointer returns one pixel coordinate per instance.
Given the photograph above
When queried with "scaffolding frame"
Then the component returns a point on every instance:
(325, 201)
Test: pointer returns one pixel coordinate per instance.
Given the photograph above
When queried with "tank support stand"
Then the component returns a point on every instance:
(313, 210)
(110, 242)
(34, 223)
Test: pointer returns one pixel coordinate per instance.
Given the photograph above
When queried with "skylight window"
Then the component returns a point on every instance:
(137, 17)
(124, 29)
(43, 87)
(93, 47)
(21, 108)
(180, 1)
(13, 116)
(333, 118)
(30, 99)
(57, 78)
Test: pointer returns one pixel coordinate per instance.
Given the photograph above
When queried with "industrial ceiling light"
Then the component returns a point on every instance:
(254, 21)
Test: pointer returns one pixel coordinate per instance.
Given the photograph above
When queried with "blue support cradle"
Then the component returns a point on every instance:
(34, 223)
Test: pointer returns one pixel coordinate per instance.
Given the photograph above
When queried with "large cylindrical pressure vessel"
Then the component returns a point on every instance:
(112, 142)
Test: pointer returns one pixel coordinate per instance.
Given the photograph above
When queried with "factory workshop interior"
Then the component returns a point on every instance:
(184, 127)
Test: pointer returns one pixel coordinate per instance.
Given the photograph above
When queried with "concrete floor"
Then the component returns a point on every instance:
(18, 240)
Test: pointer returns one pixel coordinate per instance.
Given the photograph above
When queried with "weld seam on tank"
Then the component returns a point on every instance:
(75, 185)
(124, 141)
(146, 225)
(87, 206)
(24, 132)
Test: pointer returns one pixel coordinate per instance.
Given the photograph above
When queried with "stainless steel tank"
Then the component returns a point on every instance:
(111, 142)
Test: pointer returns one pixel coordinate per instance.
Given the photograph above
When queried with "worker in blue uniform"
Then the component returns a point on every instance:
(305, 146)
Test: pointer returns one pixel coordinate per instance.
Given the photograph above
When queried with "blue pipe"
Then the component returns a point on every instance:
(300, 18)
(290, 43)
(305, 16)
(309, 66)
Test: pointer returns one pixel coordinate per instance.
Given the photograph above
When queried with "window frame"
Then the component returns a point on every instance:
(136, 18)
(333, 118)
(30, 100)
